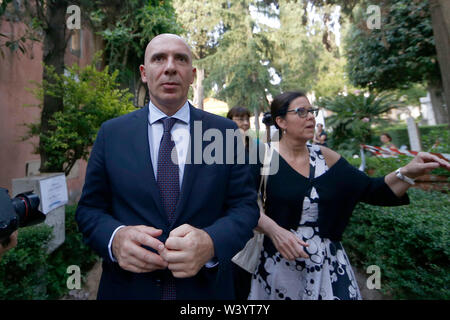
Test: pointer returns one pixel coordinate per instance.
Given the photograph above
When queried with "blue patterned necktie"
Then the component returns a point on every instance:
(168, 171)
(167, 177)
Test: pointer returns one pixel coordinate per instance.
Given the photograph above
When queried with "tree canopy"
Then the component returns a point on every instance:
(239, 69)
(126, 26)
(400, 53)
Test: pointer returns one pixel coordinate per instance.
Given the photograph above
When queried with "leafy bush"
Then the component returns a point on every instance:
(428, 135)
(353, 117)
(90, 98)
(437, 139)
(128, 28)
(398, 133)
(28, 272)
(21, 269)
(377, 166)
(410, 244)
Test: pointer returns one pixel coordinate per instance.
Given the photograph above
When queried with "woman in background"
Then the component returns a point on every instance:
(241, 116)
(386, 139)
(308, 205)
(321, 136)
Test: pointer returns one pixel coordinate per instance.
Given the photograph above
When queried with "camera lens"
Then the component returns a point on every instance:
(20, 207)
(26, 207)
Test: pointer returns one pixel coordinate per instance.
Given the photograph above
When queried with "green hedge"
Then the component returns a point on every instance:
(377, 166)
(410, 244)
(399, 134)
(21, 268)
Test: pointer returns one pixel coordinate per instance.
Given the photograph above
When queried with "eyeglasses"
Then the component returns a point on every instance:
(303, 113)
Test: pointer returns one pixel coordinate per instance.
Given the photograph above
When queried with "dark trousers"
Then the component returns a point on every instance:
(242, 280)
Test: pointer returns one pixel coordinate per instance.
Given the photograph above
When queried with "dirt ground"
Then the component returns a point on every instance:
(90, 288)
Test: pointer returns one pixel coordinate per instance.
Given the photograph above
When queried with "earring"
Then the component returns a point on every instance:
(284, 131)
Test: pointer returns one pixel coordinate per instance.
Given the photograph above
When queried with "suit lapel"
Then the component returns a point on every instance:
(140, 142)
(190, 168)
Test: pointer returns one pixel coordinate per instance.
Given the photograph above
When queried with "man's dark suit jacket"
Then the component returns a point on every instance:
(120, 189)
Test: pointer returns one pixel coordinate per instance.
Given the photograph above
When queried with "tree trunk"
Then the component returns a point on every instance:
(437, 102)
(257, 128)
(440, 17)
(199, 94)
(54, 49)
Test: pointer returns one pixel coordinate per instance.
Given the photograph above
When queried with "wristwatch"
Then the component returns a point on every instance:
(404, 178)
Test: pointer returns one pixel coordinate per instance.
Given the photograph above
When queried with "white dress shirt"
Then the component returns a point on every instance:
(180, 135)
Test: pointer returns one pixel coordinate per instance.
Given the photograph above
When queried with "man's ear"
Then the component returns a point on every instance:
(194, 74)
(143, 76)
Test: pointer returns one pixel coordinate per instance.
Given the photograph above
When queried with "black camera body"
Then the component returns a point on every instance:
(22, 211)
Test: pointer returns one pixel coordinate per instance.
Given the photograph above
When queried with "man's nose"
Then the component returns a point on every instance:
(170, 67)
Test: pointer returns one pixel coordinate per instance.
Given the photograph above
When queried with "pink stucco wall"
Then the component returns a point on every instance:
(16, 72)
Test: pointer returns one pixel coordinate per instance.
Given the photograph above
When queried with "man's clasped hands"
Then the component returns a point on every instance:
(185, 252)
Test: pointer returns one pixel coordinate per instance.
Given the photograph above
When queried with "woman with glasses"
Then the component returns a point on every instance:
(308, 203)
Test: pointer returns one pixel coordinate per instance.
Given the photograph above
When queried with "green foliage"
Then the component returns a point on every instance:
(203, 27)
(201, 21)
(400, 53)
(90, 98)
(297, 49)
(245, 82)
(353, 117)
(128, 27)
(331, 77)
(410, 244)
(346, 5)
(429, 135)
(239, 72)
(28, 272)
(398, 133)
(411, 95)
(436, 138)
(378, 167)
(22, 269)
(243, 57)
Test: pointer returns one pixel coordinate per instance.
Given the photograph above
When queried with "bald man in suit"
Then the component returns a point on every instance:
(165, 230)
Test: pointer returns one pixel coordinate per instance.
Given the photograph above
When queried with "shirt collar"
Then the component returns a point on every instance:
(155, 114)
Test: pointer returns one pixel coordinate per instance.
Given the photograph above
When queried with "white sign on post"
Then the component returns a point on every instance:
(53, 193)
